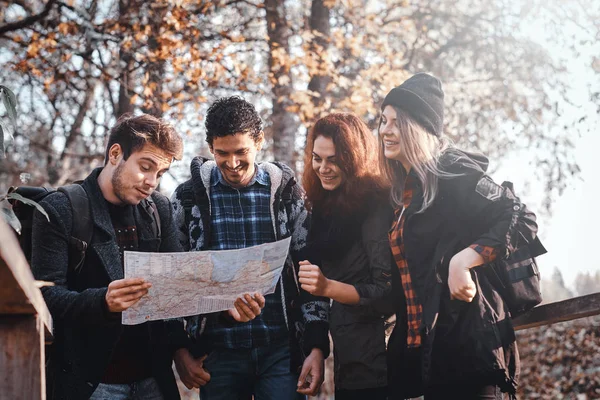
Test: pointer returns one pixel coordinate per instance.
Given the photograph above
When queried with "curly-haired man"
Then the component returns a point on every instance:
(230, 203)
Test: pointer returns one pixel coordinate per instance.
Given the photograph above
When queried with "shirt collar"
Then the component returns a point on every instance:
(260, 176)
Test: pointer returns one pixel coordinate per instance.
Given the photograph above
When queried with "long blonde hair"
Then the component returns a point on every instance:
(422, 150)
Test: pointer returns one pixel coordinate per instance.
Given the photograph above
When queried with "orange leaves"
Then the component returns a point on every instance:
(281, 60)
(180, 95)
(33, 50)
(21, 66)
(67, 28)
(306, 109)
(175, 19)
(237, 38)
(63, 28)
(41, 45)
(293, 108)
(48, 82)
(205, 7)
(179, 65)
(284, 80)
(36, 72)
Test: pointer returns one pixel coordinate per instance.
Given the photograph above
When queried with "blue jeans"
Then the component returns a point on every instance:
(146, 389)
(239, 374)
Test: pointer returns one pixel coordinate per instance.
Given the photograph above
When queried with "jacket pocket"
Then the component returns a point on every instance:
(359, 355)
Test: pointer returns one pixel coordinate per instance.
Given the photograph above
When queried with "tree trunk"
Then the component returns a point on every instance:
(124, 105)
(284, 124)
(320, 27)
(156, 65)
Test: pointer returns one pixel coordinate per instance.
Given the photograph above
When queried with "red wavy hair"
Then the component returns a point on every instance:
(356, 156)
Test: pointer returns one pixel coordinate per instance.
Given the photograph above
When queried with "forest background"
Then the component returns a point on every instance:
(522, 83)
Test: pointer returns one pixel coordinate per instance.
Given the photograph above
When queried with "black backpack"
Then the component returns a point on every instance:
(517, 277)
(81, 232)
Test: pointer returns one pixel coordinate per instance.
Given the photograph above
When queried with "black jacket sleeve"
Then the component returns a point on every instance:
(49, 262)
(377, 291)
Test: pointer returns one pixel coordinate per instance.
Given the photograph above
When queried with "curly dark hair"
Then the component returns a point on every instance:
(231, 115)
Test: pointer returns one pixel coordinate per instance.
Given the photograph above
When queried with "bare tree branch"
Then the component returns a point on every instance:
(25, 22)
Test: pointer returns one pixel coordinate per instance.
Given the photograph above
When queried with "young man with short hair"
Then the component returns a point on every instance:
(93, 354)
(231, 203)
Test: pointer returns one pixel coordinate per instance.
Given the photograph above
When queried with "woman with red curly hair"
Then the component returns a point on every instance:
(350, 258)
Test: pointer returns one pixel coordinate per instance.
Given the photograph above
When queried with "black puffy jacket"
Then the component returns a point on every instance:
(463, 342)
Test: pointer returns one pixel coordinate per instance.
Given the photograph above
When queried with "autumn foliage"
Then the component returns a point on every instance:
(76, 65)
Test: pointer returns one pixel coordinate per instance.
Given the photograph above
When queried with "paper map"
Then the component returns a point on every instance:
(201, 282)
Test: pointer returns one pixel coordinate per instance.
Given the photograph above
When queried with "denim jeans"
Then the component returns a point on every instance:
(239, 374)
(146, 389)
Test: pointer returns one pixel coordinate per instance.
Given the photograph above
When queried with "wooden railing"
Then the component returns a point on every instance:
(24, 323)
(567, 310)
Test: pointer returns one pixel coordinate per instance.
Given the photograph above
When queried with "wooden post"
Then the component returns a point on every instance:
(24, 323)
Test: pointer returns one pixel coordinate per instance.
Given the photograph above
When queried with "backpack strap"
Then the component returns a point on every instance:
(83, 226)
(287, 196)
(197, 196)
(152, 210)
(187, 202)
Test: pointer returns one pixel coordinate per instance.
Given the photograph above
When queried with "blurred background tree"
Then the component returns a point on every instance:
(76, 65)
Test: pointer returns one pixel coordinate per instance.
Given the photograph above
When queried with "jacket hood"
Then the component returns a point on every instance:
(455, 160)
(201, 167)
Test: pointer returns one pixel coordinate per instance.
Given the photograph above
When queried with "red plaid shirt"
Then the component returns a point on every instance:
(414, 310)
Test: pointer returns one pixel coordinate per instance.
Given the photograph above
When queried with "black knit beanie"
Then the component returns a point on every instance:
(420, 96)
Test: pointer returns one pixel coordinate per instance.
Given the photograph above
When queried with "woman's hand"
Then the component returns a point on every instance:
(312, 279)
(460, 283)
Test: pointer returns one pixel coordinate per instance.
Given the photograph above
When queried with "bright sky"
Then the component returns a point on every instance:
(570, 233)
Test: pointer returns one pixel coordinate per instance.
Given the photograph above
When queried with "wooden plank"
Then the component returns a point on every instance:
(18, 291)
(567, 310)
(22, 357)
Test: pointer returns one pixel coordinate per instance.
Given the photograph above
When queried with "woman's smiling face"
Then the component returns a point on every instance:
(324, 163)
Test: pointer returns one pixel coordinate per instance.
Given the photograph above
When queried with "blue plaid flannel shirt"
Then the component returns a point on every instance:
(242, 218)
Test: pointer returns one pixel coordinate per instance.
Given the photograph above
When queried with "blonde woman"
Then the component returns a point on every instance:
(453, 338)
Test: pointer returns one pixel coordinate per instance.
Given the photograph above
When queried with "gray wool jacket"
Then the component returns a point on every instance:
(306, 315)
